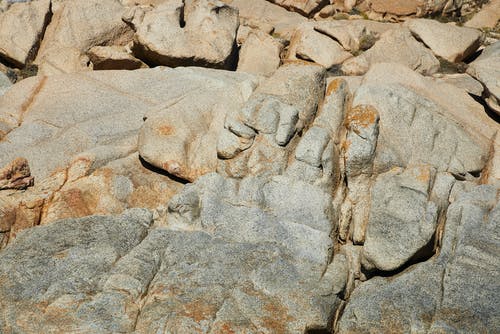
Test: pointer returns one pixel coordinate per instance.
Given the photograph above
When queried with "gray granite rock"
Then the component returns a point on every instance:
(452, 292)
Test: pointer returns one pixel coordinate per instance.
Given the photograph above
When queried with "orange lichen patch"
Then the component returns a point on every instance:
(78, 204)
(345, 145)
(361, 116)
(333, 86)
(199, 310)
(423, 174)
(226, 329)
(165, 130)
(278, 318)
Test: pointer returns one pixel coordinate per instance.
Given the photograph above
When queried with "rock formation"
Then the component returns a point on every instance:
(257, 166)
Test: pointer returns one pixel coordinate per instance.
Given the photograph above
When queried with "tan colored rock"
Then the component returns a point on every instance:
(445, 40)
(76, 27)
(304, 7)
(181, 137)
(16, 175)
(486, 69)
(354, 35)
(113, 58)
(198, 32)
(396, 7)
(396, 46)
(463, 81)
(308, 44)
(487, 17)
(21, 28)
(260, 54)
(262, 13)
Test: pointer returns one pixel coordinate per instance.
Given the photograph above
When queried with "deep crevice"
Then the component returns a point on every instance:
(481, 100)
(160, 171)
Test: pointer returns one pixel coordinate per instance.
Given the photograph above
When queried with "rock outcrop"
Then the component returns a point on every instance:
(298, 167)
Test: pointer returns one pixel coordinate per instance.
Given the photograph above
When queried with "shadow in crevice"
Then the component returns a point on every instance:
(160, 171)
(422, 255)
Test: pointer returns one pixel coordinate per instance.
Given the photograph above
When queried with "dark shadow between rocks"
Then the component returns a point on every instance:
(160, 171)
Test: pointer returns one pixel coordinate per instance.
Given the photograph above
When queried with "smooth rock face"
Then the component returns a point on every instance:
(195, 33)
(486, 69)
(453, 291)
(447, 41)
(396, 46)
(21, 29)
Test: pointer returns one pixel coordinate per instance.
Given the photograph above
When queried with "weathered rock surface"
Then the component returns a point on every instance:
(272, 198)
(77, 26)
(21, 29)
(401, 221)
(182, 280)
(5, 83)
(263, 15)
(396, 46)
(453, 291)
(423, 122)
(308, 44)
(445, 40)
(487, 17)
(307, 7)
(260, 54)
(193, 33)
(486, 69)
(181, 137)
(463, 81)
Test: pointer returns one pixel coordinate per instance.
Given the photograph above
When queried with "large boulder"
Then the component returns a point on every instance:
(77, 26)
(445, 40)
(192, 33)
(455, 291)
(486, 69)
(22, 27)
(424, 122)
(260, 54)
(397, 46)
(181, 137)
(308, 44)
(263, 15)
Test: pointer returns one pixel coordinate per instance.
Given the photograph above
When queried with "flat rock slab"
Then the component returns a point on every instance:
(445, 40)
